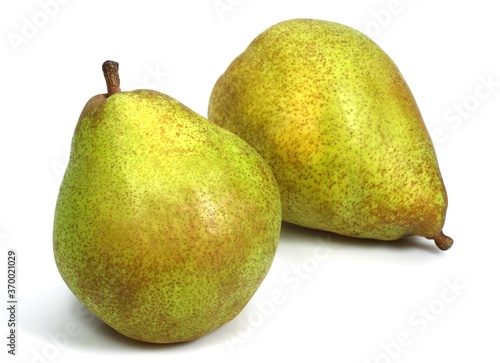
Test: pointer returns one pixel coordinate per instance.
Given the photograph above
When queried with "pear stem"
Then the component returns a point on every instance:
(110, 69)
(442, 241)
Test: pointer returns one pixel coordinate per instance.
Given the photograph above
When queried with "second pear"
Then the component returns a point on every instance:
(331, 113)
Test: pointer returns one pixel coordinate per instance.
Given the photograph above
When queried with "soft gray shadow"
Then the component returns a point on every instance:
(100, 336)
(59, 318)
(291, 234)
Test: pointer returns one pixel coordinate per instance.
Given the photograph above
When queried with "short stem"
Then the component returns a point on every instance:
(110, 69)
(442, 241)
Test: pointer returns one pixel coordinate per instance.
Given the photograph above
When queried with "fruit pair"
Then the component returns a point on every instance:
(166, 224)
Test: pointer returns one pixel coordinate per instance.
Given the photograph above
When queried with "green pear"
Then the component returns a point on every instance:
(165, 224)
(334, 118)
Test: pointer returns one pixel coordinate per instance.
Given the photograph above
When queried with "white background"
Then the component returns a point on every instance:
(326, 298)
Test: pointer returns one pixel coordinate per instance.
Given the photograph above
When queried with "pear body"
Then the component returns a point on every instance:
(165, 224)
(334, 118)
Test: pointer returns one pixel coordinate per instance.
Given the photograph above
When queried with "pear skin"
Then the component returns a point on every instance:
(332, 115)
(165, 223)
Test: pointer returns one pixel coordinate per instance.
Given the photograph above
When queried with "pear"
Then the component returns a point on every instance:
(165, 224)
(332, 115)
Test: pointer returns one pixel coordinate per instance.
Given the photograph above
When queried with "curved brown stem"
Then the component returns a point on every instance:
(110, 69)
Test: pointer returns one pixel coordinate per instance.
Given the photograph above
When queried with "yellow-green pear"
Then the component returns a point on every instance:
(334, 118)
(165, 223)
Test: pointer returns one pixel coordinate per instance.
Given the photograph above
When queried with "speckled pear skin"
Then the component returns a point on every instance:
(333, 116)
(165, 224)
